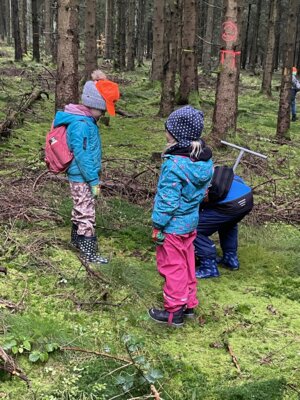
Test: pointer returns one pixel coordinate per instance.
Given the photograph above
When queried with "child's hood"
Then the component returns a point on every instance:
(72, 112)
(197, 172)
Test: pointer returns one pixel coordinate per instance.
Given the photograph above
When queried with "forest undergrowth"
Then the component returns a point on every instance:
(80, 332)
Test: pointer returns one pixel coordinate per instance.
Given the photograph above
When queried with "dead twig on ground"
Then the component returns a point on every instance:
(8, 364)
(97, 353)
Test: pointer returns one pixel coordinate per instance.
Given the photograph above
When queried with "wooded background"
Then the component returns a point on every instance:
(176, 36)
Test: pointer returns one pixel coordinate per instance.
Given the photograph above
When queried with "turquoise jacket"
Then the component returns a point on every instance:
(181, 188)
(84, 141)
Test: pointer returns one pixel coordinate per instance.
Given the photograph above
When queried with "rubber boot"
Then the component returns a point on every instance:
(74, 236)
(207, 269)
(88, 247)
(229, 260)
(166, 317)
(294, 118)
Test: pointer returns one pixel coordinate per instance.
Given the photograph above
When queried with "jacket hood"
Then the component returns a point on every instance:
(71, 114)
(195, 172)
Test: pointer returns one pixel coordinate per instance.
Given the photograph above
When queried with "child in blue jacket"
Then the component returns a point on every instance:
(84, 141)
(222, 217)
(185, 175)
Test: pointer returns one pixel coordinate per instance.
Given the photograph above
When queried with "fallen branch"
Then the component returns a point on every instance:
(155, 392)
(91, 272)
(233, 356)
(9, 304)
(7, 124)
(11, 367)
(97, 353)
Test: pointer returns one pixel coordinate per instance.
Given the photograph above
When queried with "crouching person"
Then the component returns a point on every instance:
(222, 217)
(185, 175)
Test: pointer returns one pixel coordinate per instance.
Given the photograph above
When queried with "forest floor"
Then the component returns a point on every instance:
(79, 335)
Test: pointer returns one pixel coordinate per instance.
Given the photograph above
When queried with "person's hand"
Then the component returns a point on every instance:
(158, 237)
(95, 191)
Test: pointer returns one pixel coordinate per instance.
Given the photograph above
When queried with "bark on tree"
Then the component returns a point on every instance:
(140, 45)
(90, 43)
(206, 60)
(130, 51)
(48, 27)
(67, 54)
(109, 30)
(16, 30)
(158, 40)
(8, 20)
(35, 32)
(283, 121)
(253, 50)
(55, 33)
(201, 29)
(170, 58)
(120, 59)
(188, 59)
(226, 104)
(149, 37)
(277, 37)
(24, 26)
(266, 86)
(246, 39)
(3, 22)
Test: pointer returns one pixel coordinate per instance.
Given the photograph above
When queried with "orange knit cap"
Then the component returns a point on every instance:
(110, 92)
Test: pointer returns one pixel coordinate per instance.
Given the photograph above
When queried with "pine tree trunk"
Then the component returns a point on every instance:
(158, 40)
(140, 32)
(253, 50)
(67, 53)
(201, 29)
(131, 35)
(16, 30)
(55, 33)
(35, 32)
(29, 21)
(120, 62)
(3, 22)
(48, 27)
(90, 44)
(266, 86)
(149, 37)
(109, 30)
(171, 19)
(188, 74)
(206, 57)
(246, 40)
(283, 121)
(24, 26)
(226, 104)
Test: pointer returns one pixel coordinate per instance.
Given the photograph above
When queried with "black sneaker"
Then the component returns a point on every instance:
(165, 317)
(294, 118)
(189, 313)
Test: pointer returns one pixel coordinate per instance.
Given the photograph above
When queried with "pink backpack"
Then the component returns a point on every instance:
(57, 154)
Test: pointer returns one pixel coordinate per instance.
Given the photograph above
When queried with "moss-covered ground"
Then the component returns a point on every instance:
(244, 343)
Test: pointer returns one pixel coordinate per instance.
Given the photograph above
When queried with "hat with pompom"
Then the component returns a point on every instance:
(90, 94)
(294, 71)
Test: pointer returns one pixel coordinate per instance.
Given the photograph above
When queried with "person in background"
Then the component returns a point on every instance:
(295, 88)
(185, 175)
(83, 139)
(222, 217)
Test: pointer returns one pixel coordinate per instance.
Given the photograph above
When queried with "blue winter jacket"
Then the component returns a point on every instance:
(84, 141)
(181, 188)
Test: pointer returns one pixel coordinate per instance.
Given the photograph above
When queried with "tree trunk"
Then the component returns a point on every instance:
(140, 32)
(149, 37)
(266, 86)
(55, 33)
(90, 44)
(16, 30)
(120, 62)
(48, 27)
(201, 29)
(29, 21)
(3, 21)
(109, 30)
(170, 58)
(226, 104)
(35, 32)
(158, 40)
(67, 54)
(189, 74)
(277, 37)
(131, 35)
(8, 21)
(24, 26)
(206, 57)
(246, 40)
(253, 50)
(283, 121)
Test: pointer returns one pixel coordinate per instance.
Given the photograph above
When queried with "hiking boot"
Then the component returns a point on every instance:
(189, 313)
(74, 236)
(207, 269)
(166, 317)
(229, 260)
(88, 247)
(294, 117)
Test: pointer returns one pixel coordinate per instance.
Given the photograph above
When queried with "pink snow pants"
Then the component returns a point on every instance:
(176, 263)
